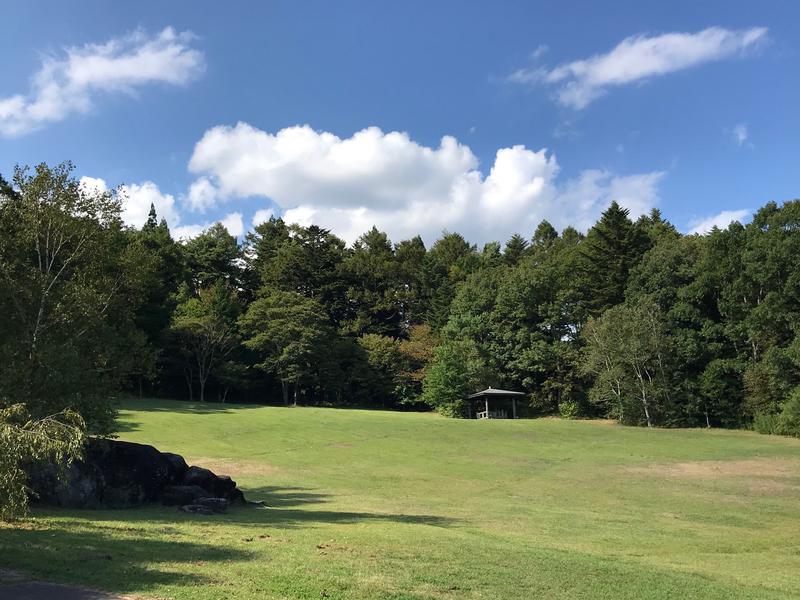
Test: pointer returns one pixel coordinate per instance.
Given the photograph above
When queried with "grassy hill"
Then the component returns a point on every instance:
(371, 504)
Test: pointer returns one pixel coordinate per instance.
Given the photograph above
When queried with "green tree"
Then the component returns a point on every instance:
(371, 271)
(611, 249)
(627, 348)
(456, 372)
(214, 257)
(290, 333)
(71, 280)
(516, 248)
(205, 327)
(310, 264)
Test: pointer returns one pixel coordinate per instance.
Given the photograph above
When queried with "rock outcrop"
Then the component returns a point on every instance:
(116, 474)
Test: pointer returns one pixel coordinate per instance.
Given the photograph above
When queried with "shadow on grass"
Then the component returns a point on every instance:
(182, 406)
(113, 558)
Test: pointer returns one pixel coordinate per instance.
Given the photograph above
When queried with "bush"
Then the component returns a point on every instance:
(569, 409)
(766, 423)
(789, 419)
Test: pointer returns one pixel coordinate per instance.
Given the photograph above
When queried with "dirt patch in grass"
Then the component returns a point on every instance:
(716, 469)
(234, 467)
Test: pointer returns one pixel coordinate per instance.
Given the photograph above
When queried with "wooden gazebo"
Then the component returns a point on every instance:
(479, 404)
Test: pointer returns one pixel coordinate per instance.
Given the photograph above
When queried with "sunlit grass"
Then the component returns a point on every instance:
(371, 504)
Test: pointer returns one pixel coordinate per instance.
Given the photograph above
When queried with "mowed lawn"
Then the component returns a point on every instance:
(374, 504)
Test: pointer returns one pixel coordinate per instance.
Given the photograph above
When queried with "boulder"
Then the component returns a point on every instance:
(176, 495)
(219, 485)
(116, 474)
(112, 474)
(177, 466)
(197, 509)
(217, 505)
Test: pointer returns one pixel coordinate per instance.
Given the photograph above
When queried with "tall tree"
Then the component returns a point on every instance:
(611, 248)
(205, 326)
(290, 334)
(214, 257)
(373, 290)
(71, 280)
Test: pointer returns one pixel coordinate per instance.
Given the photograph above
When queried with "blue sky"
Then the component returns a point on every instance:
(550, 109)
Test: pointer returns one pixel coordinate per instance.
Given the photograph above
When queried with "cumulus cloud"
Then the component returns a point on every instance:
(722, 220)
(69, 84)
(136, 199)
(233, 222)
(638, 58)
(405, 188)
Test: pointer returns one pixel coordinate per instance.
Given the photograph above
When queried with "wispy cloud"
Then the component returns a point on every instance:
(69, 84)
(636, 59)
(705, 224)
(740, 134)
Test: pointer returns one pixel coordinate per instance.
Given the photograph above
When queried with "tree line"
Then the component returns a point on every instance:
(631, 320)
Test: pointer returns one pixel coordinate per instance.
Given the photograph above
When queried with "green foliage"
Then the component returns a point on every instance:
(457, 370)
(70, 282)
(56, 439)
(205, 328)
(768, 424)
(213, 258)
(789, 421)
(289, 333)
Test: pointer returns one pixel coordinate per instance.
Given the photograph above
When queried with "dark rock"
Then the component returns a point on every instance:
(174, 495)
(177, 466)
(219, 485)
(197, 509)
(217, 505)
(116, 474)
(112, 474)
(236, 496)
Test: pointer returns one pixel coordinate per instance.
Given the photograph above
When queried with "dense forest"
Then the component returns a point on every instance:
(630, 320)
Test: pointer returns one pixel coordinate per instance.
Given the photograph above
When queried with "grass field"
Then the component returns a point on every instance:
(372, 504)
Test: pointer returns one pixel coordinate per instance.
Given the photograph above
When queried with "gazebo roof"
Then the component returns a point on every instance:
(495, 392)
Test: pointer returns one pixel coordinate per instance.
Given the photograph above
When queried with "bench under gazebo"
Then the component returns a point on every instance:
(492, 403)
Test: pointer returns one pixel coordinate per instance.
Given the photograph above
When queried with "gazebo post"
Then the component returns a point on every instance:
(514, 407)
(486, 400)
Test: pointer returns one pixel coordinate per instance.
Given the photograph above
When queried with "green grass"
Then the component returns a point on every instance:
(372, 504)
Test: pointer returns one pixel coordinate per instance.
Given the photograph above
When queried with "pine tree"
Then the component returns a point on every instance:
(515, 249)
(611, 248)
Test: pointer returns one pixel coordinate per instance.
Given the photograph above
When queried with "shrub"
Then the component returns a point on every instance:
(766, 423)
(789, 419)
(569, 409)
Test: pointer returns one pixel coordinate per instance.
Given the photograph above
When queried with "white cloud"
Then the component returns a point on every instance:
(136, 199)
(68, 84)
(740, 134)
(638, 58)
(233, 222)
(405, 188)
(722, 220)
(92, 185)
(202, 194)
(262, 216)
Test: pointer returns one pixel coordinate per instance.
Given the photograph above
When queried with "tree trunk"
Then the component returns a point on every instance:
(285, 391)
(296, 387)
(646, 410)
(187, 374)
(202, 389)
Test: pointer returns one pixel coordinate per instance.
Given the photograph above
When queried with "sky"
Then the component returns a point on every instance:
(417, 117)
